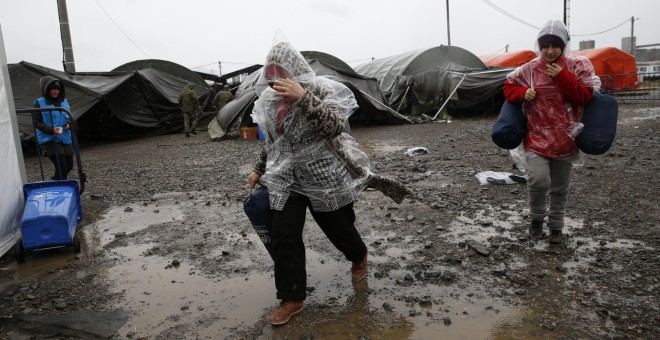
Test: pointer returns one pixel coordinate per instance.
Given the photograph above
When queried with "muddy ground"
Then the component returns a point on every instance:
(167, 252)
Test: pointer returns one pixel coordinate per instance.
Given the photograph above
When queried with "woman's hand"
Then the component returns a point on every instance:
(288, 88)
(530, 94)
(253, 179)
(553, 69)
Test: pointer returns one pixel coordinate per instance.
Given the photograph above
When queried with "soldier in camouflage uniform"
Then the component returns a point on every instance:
(190, 108)
(222, 98)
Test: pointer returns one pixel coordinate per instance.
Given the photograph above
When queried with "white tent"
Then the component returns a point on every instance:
(12, 172)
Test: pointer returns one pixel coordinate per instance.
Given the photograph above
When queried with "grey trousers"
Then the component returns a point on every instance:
(551, 176)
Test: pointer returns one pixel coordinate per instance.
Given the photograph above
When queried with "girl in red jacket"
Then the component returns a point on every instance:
(553, 89)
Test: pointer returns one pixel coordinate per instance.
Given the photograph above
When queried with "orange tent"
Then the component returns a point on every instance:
(616, 68)
(508, 59)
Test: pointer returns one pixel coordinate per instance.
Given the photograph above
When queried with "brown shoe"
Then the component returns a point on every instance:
(285, 311)
(359, 269)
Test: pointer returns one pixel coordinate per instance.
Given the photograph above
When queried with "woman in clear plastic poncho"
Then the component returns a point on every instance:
(553, 88)
(309, 161)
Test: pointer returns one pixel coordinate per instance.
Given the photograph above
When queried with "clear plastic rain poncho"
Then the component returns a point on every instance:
(553, 122)
(307, 155)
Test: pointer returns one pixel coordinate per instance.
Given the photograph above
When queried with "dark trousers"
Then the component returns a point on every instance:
(63, 165)
(289, 248)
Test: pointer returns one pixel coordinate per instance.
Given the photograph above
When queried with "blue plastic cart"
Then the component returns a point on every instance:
(52, 213)
(52, 208)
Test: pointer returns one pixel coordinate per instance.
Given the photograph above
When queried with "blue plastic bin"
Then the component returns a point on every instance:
(52, 212)
(260, 134)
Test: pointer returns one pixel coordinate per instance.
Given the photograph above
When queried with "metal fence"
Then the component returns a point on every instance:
(633, 87)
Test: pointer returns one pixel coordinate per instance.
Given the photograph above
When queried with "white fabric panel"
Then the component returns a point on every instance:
(12, 170)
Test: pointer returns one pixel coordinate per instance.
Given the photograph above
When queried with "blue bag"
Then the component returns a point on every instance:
(257, 208)
(599, 119)
(510, 126)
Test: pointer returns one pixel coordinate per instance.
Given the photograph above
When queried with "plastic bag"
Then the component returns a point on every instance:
(492, 177)
(519, 157)
(418, 150)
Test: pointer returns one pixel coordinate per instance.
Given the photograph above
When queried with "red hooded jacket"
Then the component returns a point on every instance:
(557, 108)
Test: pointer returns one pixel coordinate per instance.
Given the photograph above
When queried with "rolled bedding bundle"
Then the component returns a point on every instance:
(599, 119)
(510, 126)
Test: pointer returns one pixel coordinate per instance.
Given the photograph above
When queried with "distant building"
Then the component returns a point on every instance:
(648, 70)
(644, 53)
(587, 44)
(629, 44)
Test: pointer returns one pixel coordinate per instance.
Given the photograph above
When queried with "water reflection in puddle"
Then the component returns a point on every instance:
(162, 296)
(39, 263)
(130, 218)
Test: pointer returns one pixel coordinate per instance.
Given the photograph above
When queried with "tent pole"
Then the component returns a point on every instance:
(404, 97)
(451, 94)
(387, 107)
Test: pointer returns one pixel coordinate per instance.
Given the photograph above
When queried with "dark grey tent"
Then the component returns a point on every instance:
(373, 109)
(111, 105)
(420, 82)
(330, 60)
(232, 116)
(165, 66)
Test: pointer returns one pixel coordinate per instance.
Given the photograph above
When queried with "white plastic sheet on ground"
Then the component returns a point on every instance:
(493, 177)
(12, 171)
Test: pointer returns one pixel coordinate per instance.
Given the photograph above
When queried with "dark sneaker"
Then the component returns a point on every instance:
(285, 311)
(535, 229)
(359, 269)
(187, 134)
(519, 179)
(555, 237)
(194, 132)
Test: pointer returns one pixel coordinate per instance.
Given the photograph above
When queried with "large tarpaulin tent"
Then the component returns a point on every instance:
(508, 59)
(165, 66)
(12, 170)
(616, 68)
(372, 107)
(421, 82)
(112, 105)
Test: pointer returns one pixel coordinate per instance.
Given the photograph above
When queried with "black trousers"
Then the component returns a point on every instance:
(289, 248)
(63, 165)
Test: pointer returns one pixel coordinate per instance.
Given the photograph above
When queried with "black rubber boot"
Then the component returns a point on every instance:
(555, 237)
(535, 229)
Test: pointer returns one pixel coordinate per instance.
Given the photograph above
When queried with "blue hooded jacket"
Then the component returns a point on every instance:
(52, 119)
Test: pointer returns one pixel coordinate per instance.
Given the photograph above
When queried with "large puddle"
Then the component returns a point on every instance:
(161, 296)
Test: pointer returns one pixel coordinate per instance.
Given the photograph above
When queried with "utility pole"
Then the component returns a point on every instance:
(632, 35)
(567, 14)
(448, 35)
(67, 47)
(219, 68)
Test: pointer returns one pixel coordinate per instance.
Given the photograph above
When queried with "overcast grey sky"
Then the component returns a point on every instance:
(199, 33)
